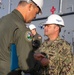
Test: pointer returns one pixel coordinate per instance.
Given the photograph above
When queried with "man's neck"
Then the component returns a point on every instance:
(52, 38)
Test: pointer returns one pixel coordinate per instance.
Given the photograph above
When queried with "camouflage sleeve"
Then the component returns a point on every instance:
(38, 50)
(66, 60)
(41, 48)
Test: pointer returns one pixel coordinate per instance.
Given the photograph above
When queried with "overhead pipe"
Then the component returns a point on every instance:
(43, 18)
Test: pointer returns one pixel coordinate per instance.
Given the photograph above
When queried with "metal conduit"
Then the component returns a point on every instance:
(65, 14)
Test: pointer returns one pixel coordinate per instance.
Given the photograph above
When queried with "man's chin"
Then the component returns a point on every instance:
(28, 21)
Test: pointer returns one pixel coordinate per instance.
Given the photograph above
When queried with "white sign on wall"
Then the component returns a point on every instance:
(0, 1)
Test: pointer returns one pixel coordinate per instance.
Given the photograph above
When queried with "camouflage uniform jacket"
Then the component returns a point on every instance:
(59, 55)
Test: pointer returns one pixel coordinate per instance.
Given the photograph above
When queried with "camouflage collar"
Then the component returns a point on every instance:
(48, 41)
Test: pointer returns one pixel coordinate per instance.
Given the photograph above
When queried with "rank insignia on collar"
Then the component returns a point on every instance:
(28, 36)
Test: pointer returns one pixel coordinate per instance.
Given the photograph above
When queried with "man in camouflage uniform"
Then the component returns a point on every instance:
(58, 50)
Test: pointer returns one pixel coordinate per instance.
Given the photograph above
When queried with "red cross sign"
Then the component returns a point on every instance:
(53, 9)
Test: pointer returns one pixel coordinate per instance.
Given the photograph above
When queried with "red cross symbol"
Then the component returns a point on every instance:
(53, 9)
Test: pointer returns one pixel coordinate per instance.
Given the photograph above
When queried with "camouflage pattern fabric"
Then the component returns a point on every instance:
(59, 55)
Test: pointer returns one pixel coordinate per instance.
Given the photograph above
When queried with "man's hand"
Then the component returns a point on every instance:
(38, 56)
(44, 61)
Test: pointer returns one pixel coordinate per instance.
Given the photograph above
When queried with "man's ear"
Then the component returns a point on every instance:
(30, 6)
(57, 28)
